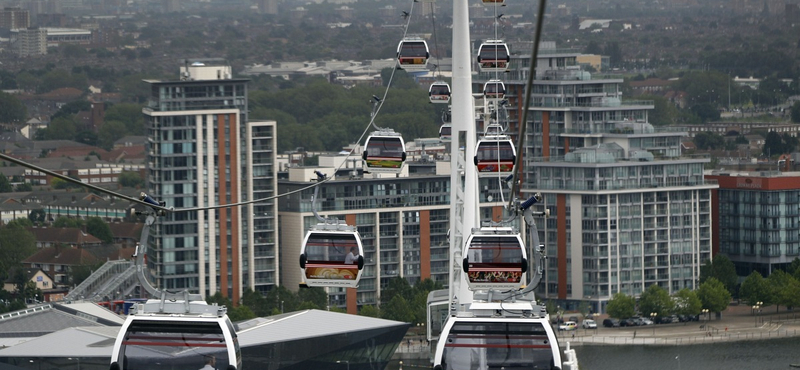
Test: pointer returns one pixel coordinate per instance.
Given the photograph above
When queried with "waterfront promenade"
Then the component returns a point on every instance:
(737, 322)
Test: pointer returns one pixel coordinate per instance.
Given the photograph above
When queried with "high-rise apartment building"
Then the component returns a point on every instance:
(30, 41)
(205, 152)
(627, 209)
(15, 18)
(758, 220)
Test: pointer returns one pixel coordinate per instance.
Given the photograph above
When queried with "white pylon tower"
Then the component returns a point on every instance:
(464, 208)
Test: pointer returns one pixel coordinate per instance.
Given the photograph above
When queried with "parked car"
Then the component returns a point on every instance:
(611, 323)
(627, 322)
(568, 325)
(646, 321)
(589, 324)
(573, 318)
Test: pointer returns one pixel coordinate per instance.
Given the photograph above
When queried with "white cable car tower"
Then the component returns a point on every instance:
(486, 328)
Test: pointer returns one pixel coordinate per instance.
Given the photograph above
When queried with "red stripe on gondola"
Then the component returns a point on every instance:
(159, 337)
(172, 344)
(470, 345)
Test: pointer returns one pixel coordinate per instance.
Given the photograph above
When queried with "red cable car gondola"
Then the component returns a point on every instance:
(413, 54)
(494, 89)
(495, 259)
(439, 92)
(495, 155)
(332, 255)
(494, 56)
(384, 151)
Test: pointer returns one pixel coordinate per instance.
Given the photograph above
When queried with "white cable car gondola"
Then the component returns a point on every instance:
(494, 90)
(495, 259)
(487, 343)
(413, 54)
(176, 335)
(493, 56)
(439, 92)
(177, 331)
(495, 154)
(446, 132)
(332, 255)
(384, 151)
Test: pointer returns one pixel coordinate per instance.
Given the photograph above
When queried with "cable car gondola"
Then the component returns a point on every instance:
(413, 54)
(332, 255)
(494, 89)
(445, 132)
(498, 343)
(384, 151)
(439, 92)
(493, 56)
(164, 334)
(494, 154)
(495, 259)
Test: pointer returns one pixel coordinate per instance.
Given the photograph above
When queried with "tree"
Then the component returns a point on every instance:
(621, 306)
(131, 179)
(714, 295)
(79, 273)
(63, 221)
(110, 132)
(5, 185)
(397, 309)
(773, 144)
(687, 303)
(397, 286)
(25, 186)
(369, 311)
(755, 289)
(16, 244)
(256, 301)
(37, 216)
(785, 288)
(664, 112)
(795, 113)
(722, 269)
(655, 299)
(11, 109)
(315, 297)
(709, 140)
(97, 227)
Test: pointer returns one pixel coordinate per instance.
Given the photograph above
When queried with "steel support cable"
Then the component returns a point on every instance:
(526, 103)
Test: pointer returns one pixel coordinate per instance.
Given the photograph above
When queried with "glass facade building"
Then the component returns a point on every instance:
(627, 209)
(204, 151)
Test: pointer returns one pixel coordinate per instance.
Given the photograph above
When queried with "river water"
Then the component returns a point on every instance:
(766, 354)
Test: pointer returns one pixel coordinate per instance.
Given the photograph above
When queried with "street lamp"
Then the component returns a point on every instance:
(653, 318)
(705, 316)
(757, 307)
(346, 362)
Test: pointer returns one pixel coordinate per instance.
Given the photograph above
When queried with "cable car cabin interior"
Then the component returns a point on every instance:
(446, 132)
(493, 57)
(176, 342)
(495, 261)
(413, 54)
(495, 156)
(332, 258)
(494, 89)
(439, 92)
(497, 343)
(384, 153)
